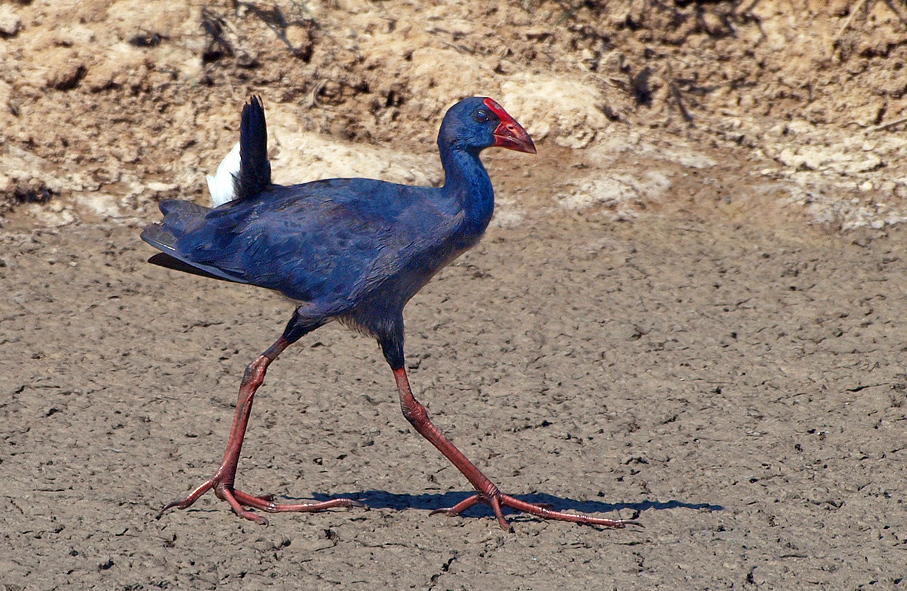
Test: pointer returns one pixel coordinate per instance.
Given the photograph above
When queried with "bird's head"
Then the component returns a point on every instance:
(477, 123)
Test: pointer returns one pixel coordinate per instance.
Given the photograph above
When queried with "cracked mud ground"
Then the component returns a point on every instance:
(738, 387)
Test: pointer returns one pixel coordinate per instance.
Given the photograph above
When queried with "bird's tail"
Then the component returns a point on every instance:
(254, 169)
(245, 172)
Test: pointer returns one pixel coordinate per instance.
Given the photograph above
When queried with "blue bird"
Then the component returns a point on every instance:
(354, 250)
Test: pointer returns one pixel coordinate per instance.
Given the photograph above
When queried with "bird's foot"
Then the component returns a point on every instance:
(498, 500)
(239, 500)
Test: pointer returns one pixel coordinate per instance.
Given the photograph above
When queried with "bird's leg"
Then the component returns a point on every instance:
(223, 479)
(488, 493)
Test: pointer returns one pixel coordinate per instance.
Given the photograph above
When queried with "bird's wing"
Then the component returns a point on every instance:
(325, 242)
(180, 218)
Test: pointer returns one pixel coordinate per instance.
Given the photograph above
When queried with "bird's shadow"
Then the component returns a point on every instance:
(379, 499)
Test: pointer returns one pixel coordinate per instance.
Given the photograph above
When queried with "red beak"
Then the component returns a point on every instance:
(510, 134)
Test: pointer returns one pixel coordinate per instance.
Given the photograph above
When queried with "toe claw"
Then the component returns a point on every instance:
(258, 519)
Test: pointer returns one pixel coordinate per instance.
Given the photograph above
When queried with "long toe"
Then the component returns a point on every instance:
(268, 504)
(543, 510)
(241, 502)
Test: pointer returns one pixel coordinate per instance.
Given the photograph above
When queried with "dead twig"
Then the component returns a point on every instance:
(890, 124)
(218, 45)
(675, 91)
(278, 23)
(678, 96)
(850, 16)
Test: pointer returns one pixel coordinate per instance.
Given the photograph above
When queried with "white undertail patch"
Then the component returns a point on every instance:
(222, 186)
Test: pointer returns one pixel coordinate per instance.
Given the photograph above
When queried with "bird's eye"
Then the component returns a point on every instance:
(482, 116)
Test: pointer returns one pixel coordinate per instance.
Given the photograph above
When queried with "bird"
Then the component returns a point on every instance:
(351, 250)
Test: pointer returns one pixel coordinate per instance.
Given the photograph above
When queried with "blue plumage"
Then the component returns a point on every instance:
(355, 250)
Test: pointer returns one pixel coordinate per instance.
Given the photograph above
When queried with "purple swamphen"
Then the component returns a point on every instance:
(353, 250)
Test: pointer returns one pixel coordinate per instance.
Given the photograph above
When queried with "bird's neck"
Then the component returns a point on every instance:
(467, 181)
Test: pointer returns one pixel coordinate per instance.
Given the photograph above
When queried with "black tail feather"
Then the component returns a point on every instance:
(255, 170)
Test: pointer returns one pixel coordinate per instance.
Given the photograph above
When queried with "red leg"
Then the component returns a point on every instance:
(488, 493)
(222, 481)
